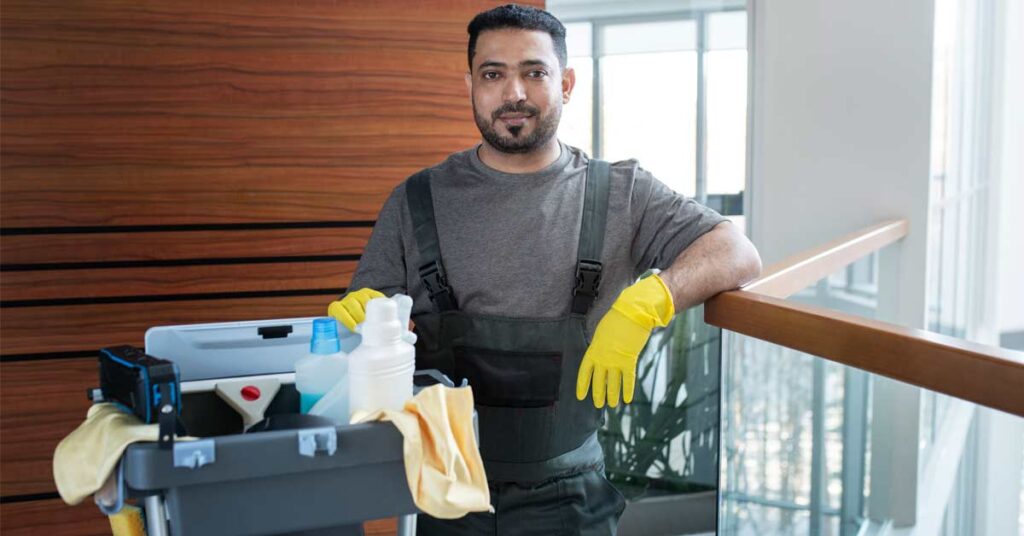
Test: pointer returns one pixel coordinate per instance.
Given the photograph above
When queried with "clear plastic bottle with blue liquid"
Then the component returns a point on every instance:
(324, 367)
(336, 404)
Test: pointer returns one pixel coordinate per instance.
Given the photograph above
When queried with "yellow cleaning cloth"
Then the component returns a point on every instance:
(86, 457)
(442, 459)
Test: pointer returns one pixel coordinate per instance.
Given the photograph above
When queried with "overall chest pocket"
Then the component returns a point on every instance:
(511, 379)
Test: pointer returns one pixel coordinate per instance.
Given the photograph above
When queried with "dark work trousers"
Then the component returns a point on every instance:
(585, 505)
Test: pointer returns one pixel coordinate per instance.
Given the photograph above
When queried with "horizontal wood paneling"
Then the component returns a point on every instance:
(40, 403)
(59, 196)
(71, 328)
(194, 113)
(381, 527)
(156, 113)
(176, 245)
(168, 281)
(52, 518)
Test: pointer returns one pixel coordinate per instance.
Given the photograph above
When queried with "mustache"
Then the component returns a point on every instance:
(514, 108)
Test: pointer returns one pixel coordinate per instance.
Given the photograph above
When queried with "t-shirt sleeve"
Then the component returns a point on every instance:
(382, 265)
(666, 222)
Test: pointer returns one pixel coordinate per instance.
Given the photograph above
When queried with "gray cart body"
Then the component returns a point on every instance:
(311, 481)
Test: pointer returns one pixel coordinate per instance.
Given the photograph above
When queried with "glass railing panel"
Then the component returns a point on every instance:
(786, 415)
(789, 418)
(661, 451)
(799, 436)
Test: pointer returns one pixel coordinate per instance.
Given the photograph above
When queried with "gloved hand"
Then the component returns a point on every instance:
(620, 337)
(351, 309)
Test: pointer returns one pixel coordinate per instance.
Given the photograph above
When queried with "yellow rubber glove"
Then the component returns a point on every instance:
(351, 309)
(620, 337)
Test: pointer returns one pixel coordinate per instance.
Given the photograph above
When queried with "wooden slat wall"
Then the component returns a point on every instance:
(24, 286)
(193, 161)
(75, 249)
(74, 328)
(54, 518)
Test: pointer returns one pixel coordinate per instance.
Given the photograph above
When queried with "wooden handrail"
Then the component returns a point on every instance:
(986, 375)
(982, 374)
(802, 270)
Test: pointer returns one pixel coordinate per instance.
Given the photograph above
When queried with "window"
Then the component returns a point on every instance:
(668, 90)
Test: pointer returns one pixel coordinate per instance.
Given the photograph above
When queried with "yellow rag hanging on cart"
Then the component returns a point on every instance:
(442, 459)
(87, 456)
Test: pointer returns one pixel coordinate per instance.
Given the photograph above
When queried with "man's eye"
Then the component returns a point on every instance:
(537, 74)
(490, 75)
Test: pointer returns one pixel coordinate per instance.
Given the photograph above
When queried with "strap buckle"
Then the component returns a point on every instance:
(436, 281)
(588, 279)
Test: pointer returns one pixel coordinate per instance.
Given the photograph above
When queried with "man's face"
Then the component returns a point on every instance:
(518, 89)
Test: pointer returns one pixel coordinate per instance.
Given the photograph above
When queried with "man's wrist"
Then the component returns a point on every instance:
(666, 307)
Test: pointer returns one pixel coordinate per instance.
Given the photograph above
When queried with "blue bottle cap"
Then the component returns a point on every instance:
(325, 336)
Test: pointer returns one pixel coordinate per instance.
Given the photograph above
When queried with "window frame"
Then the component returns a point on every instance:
(726, 204)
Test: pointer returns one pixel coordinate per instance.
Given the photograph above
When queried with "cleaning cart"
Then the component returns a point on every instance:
(306, 481)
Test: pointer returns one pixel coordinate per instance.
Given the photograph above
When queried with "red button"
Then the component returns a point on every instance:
(250, 392)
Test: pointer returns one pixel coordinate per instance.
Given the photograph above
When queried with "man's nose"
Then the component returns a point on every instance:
(515, 91)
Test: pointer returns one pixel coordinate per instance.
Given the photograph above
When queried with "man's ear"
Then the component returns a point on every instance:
(568, 83)
(469, 84)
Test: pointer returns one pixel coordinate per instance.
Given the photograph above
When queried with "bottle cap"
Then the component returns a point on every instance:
(325, 337)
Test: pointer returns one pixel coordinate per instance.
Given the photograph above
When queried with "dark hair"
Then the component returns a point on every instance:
(521, 18)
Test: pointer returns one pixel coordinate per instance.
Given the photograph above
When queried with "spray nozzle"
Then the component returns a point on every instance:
(381, 325)
(402, 314)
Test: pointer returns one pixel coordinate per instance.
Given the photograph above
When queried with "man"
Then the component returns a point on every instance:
(519, 249)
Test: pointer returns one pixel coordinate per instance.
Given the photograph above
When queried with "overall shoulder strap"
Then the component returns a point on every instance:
(592, 227)
(421, 206)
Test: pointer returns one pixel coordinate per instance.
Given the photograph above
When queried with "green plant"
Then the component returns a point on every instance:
(666, 440)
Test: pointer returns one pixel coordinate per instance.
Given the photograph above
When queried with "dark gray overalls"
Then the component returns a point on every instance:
(539, 444)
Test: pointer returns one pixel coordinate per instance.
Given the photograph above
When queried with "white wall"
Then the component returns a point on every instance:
(840, 133)
(1011, 172)
(841, 104)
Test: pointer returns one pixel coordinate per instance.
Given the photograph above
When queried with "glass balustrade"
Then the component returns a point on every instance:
(789, 419)
(738, 435)
(661, 451)
(810, 446)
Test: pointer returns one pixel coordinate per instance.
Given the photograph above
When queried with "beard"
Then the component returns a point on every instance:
(518, 143)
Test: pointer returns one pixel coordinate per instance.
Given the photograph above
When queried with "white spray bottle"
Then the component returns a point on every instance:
(381, 368)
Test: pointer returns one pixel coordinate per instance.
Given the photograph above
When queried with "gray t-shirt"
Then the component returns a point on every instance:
(509, 241)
